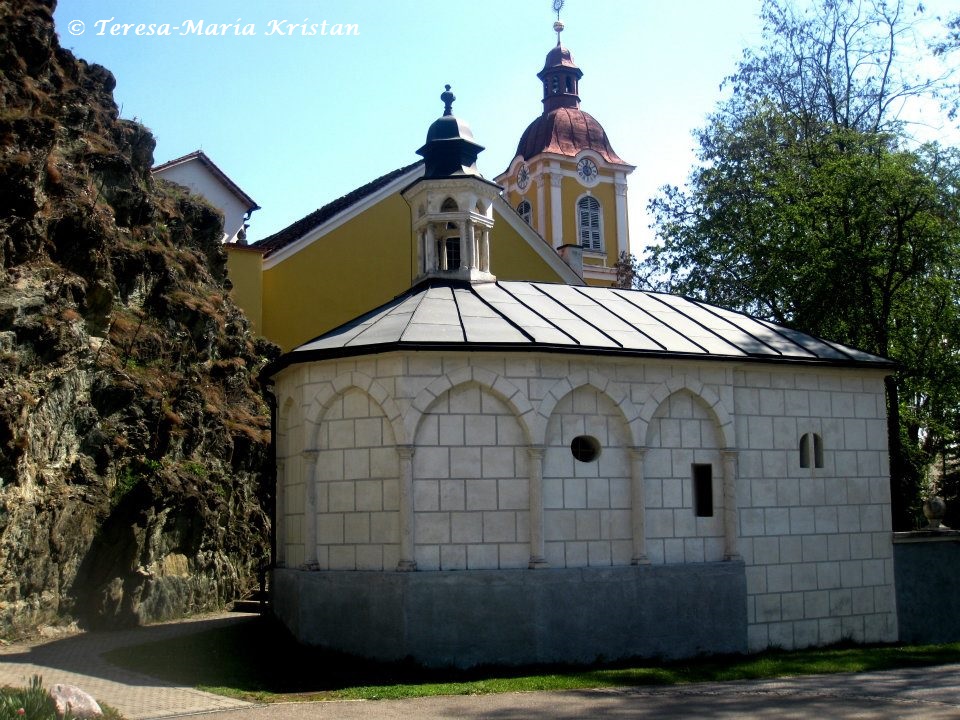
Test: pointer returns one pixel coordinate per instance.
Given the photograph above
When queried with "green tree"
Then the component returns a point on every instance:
(808, 207)
(951, 41)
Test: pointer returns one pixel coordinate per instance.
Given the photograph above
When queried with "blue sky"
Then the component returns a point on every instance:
(299, 120)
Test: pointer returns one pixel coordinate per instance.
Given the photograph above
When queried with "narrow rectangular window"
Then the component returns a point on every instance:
(703, 490)
(453, 253)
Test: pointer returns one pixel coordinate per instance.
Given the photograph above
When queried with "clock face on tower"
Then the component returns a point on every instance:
(523, 177)
(587, 171)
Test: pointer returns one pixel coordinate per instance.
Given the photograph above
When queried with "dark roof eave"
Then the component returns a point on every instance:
(309, 222)
(297, 357)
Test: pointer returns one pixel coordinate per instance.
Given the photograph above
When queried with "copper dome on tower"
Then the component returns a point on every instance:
(559, 56)
(566, 131)
(563, 128)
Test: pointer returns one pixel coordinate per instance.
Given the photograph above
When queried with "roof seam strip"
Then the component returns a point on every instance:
(623, 320)
(545, 319)
(580, 317)
(507, 320)
(707, 309)
(659, 321)
(717, 335)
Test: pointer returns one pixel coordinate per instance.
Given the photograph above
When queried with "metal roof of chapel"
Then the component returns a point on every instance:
(545, 317)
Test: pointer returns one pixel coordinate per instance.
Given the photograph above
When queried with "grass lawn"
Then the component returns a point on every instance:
(258, 660)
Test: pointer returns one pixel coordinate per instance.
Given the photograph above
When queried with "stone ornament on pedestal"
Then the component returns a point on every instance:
(934, 509)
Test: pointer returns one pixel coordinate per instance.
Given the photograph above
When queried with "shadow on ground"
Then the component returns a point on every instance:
(259, 655)
(86, 653)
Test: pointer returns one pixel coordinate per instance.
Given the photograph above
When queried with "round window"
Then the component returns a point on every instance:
(585, 448)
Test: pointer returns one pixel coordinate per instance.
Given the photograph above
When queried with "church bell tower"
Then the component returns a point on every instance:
(565, 179)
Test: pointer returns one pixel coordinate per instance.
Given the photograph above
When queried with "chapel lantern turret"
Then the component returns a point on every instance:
(452, 204)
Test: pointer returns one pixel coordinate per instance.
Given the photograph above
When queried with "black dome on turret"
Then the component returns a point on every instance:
(450, 149)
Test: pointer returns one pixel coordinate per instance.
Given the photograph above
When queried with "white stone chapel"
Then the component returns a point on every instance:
(516, 472)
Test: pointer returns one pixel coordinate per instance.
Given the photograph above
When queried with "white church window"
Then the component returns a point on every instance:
(588, 223)
(525, 210)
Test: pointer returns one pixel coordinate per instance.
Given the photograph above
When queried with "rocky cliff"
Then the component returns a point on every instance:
(133, 438)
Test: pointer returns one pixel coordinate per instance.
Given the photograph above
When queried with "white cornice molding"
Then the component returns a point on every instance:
(586, 152)
(599, 272)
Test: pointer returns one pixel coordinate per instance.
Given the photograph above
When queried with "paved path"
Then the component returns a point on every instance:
(76, 660)
(909, 694)
(915, 694)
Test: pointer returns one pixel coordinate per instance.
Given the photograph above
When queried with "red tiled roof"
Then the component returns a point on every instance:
(304, 225)
(566, 131)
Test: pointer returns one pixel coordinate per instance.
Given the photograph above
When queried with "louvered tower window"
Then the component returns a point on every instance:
(588, 224)
(525, 210)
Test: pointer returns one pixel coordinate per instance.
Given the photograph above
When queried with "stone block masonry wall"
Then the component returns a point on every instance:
(587, 505)
(357, 487)
(816, 541)
(471, 496)
(680, 434)
(292, 491)
(463, 462)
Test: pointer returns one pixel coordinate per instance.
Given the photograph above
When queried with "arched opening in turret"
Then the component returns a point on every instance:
(448, 246)
(449, 205)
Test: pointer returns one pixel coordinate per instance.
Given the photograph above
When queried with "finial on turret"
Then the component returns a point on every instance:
(558, 25)
(448, 98)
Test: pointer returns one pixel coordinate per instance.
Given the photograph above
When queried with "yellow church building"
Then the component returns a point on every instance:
(558, 214)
